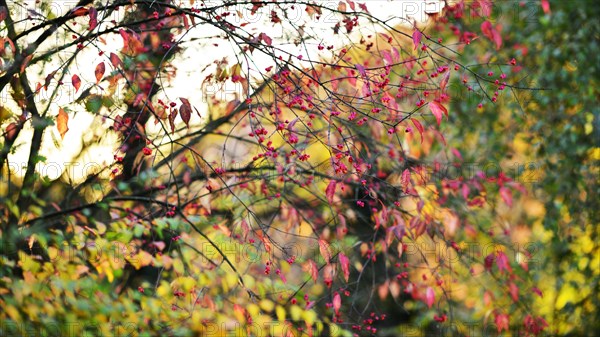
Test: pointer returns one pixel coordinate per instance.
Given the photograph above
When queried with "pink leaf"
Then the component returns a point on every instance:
(330, 190)
(387, 57)
(324, 250)
(361, 70)
(341, 229)
(405, 178)
(290, 126)
(546, 6)
(337, 302)
(491, 33)
(502, 262)
(395, 54)
(437, 110)
(245, 228)
(419, 127)
(345, 263)
(366, 91)
(312, 269)
(351, 78)
(444, 81)
(486, 29)
(416, 36)
(465, 191)
(429, 297)
(506, 195)
(456, 153)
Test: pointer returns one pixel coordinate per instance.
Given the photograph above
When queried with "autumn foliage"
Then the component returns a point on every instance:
(330, 193)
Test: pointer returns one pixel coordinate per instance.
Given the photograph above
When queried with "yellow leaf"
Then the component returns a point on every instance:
(295, 312)
(61, 122)
(309, 317)
(567, 294)
(280, 312)
(267, 305)
(13, 313)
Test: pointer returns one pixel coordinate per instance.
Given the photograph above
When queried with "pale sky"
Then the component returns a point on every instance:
(187, 83)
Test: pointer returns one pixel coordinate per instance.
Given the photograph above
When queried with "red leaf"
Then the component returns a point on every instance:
(337, 302)
(488, 262)
(266, 38)
(186, 23)
(48, 79)
(93, 14)
(537, 291)
(79, 11)
(429, 297)
(351, 3)
(99, 72)
(3, 13)
(345, 263)
(172, 116)
(514, 291)
(416, 36)
(26, 62)
(76, 81)
(186, 111)
(330, 190)
(12, 130)
(125, 37)
(437, 110)
(501, 321)
(115, 60)
(546, 6)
